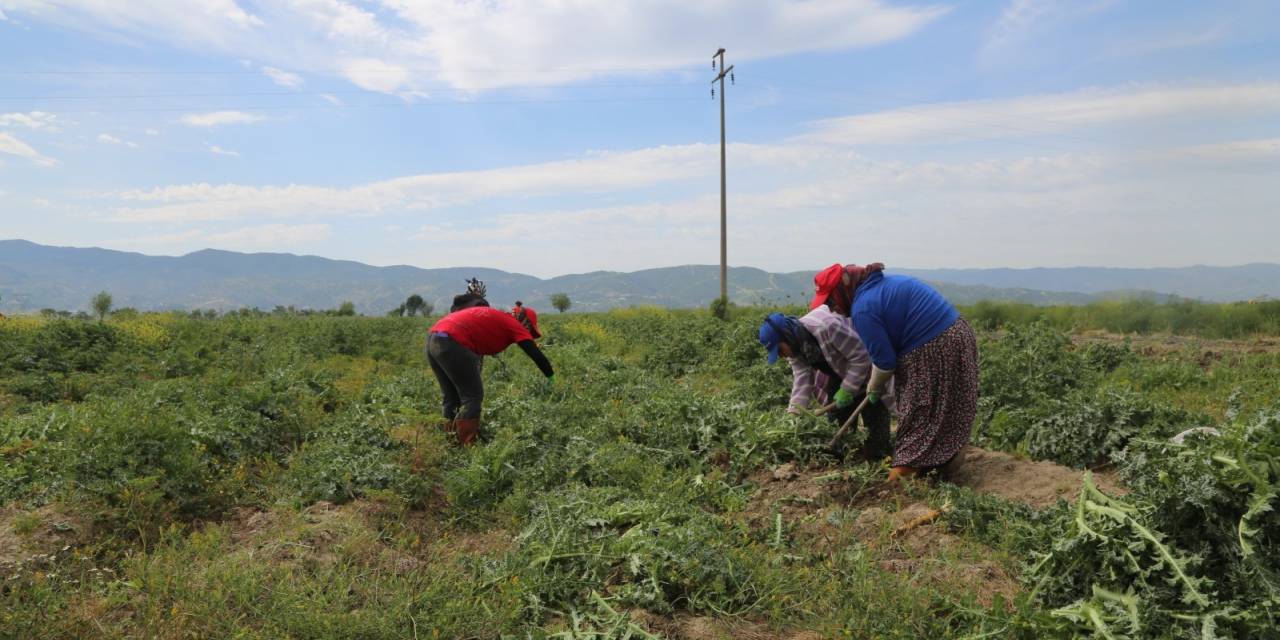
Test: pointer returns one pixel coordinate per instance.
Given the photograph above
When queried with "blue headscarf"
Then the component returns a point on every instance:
(777, 329)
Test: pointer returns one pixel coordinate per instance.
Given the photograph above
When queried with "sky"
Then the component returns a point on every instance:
(565, 136)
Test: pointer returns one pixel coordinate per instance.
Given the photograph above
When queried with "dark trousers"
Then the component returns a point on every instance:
(457, 369)
(875, 419)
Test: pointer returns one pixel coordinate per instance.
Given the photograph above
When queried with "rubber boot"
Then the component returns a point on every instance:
(468, 429)
(877, 445)
(903, 473)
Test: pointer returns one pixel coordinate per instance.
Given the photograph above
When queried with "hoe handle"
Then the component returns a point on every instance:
(823, 410)
(848, 423)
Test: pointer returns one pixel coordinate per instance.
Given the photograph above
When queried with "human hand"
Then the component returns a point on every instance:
(843, 398)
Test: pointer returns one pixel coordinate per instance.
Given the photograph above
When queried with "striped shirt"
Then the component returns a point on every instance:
(842, 349)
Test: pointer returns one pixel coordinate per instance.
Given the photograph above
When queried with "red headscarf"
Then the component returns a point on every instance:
(835, 285)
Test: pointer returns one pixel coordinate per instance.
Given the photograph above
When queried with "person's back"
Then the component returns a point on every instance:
(485, 330)
(907, 310)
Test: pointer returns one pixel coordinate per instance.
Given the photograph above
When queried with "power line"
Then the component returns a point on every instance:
(243, 94)
(654, 68)
(388, 105)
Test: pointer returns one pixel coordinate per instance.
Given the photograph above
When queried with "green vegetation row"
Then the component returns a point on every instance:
(281, 477)
(1181, 317)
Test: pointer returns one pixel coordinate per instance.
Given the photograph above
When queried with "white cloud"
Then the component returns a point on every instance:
(332, 99)
(593, 173)
(106, 138)
(283, 78)
(152, 132)
(32, 120)
(415, 45)
(10, 145)
(217, 118)
(219, 151)
(197, 24)
(1022, 21)
(973, 212)
(1046, 114)
(1135, 46)
(1262, 148)
(1028, 211)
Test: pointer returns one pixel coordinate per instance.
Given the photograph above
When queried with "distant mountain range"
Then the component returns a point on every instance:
(34, 276)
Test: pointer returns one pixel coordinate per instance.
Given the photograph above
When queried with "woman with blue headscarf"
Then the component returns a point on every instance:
(829, 362)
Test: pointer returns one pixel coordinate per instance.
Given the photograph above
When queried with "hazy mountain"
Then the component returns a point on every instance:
(34, 276)
(1218, 284)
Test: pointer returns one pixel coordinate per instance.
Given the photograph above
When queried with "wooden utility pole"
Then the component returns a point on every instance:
(724, 243)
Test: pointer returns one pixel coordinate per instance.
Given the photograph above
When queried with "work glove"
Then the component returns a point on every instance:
(876, 386)
(843, 398)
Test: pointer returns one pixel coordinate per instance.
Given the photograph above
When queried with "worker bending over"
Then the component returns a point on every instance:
(455, 345)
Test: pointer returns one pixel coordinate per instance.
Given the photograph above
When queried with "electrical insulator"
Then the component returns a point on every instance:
(713, 64)
(713, 93)
(731, 80)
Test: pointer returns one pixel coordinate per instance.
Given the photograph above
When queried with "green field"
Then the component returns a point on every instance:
(255, 476)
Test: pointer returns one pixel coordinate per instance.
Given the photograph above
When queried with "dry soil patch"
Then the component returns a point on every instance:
(1036, 483)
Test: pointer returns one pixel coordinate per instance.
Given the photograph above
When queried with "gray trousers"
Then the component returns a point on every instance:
(457, 369)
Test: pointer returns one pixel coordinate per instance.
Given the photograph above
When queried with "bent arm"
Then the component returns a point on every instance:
(535, 354)
(801, 385)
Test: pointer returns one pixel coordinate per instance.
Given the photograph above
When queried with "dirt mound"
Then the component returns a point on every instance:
(1036, 483)
(823, 511)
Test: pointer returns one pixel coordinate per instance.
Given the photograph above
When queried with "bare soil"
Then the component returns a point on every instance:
(825, 510)
(1036, 483)
(25, 535)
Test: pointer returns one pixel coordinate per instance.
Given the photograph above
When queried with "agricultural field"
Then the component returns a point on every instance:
(253, 476)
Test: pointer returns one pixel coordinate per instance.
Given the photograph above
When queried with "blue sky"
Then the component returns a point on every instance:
(571, 136)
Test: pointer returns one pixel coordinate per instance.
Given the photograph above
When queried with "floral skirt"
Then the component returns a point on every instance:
(937, 385)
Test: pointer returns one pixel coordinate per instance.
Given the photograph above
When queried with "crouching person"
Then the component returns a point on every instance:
(828, 361)
(455, 345)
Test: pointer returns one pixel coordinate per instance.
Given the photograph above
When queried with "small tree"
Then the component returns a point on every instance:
(561, 302)
(397, 312)
(101, 304)
(413, 304)
(720, 308)
(347, 308)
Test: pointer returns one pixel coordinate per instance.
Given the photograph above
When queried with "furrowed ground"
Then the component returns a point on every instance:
(252, 476)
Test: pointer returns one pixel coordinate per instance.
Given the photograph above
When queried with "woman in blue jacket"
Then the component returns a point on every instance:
(918, 338)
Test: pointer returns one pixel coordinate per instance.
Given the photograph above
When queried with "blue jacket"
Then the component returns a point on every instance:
(897, 314)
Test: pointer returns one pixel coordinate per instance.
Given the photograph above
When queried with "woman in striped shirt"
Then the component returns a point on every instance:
(828, 361)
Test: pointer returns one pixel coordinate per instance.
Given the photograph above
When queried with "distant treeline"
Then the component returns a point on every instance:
(1182, 317)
